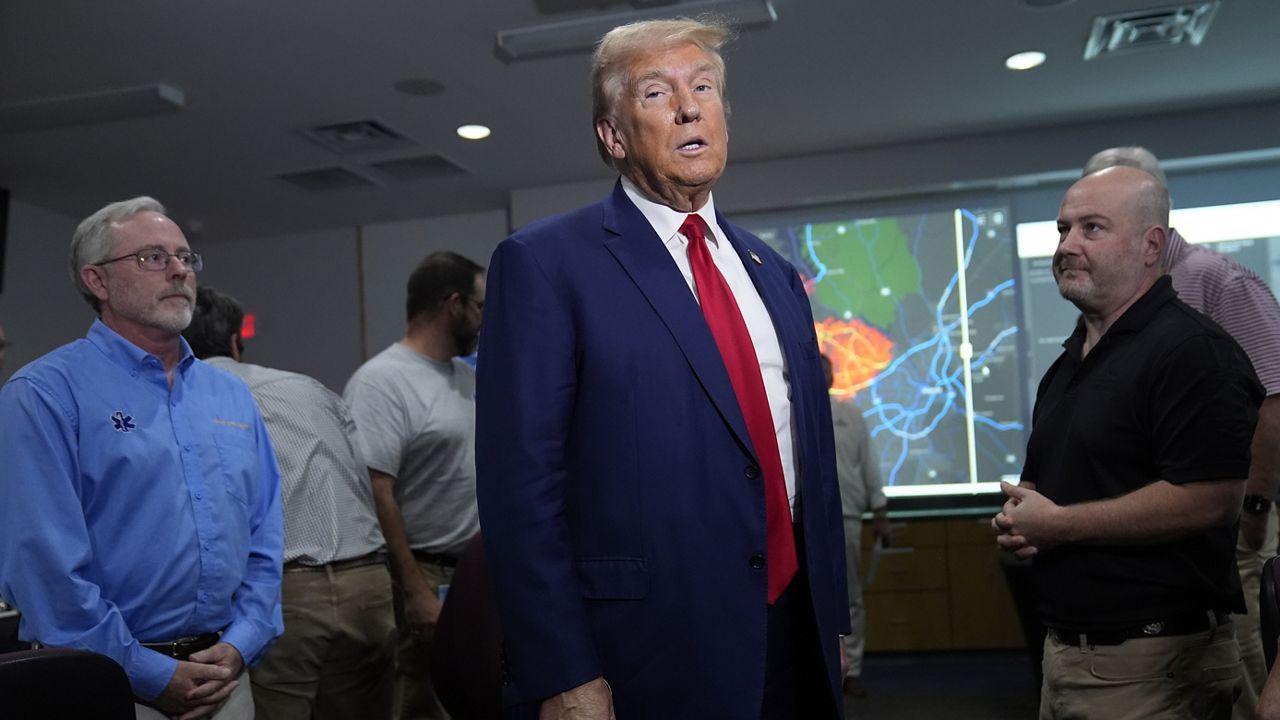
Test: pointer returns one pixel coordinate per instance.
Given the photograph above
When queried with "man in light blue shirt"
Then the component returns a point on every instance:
(141, 503)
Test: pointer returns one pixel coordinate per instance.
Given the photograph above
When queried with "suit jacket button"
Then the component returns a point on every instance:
(757, 562)
(752, 472)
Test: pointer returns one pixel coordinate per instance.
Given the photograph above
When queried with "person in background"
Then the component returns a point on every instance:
(1242, 304)
(414, 406)
(141, 514)
(655, 460)
(861, 491)
(1134, 475)
(334, 659)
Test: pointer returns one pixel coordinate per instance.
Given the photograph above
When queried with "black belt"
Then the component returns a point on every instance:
(1180, 625)
(373, 558)
(443, 560)
(183, 648)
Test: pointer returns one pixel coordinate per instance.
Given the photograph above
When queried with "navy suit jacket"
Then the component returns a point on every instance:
(618, 489)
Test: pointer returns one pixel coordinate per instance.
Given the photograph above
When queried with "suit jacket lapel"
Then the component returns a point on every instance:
(645, 259)
(766, 284)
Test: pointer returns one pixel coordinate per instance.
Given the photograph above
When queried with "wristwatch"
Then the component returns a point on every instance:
(1256, 505)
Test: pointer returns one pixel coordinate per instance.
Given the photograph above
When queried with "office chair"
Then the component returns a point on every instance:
(57, 682)
(1269, 608)
(466, 653)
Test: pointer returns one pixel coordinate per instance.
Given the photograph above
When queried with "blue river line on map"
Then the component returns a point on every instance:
(940, 394)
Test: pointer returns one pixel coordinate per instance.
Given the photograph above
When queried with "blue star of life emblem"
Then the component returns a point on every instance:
(122, 422)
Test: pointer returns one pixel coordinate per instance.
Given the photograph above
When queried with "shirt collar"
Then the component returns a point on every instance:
(665, 221)
(127, 355)
(1138, 315)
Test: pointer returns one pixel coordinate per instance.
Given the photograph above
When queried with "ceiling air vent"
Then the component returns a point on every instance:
(357, 136)
(1157, 27)
(326, 179)
(423, 167)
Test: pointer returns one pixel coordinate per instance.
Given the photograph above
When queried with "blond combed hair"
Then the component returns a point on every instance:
(622, 46)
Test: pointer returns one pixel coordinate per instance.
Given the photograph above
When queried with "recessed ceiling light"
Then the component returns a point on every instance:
(1024, 60)
(473, 132)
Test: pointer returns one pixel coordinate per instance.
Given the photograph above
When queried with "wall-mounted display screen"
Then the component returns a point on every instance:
(918, 312)
(1247, 232)
(940, 320)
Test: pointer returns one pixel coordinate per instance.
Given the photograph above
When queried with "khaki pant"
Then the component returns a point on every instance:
(855, 641)
(1248, 627)
(334, 659)
(238, 706)
(415, 696)
(1185, 677)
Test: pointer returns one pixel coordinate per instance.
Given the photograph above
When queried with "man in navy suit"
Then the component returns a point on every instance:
(654, 450)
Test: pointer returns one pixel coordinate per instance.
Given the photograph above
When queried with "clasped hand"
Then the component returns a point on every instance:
(200, 684)
(1027, 523)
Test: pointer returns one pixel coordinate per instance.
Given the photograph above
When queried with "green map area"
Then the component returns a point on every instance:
(867, 274)
(865, 268)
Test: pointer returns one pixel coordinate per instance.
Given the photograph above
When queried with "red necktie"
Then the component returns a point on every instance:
(739, 355)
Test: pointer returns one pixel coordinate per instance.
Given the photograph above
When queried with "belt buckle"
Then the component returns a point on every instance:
(1154, 628)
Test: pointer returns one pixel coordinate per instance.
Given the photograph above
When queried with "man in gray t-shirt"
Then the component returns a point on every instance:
(414, 406)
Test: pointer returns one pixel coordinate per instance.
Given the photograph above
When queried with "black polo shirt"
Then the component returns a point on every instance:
(1166, 394)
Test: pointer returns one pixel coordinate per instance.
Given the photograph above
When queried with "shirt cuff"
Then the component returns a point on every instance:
(150, 672)
(241, 636)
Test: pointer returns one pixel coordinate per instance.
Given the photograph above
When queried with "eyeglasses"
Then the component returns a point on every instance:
(158, 260)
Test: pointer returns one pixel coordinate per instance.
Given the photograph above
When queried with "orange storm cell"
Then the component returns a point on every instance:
(858, 353)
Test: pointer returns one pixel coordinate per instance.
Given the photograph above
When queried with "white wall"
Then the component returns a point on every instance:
(307, 290)
(393, 250)
(39, 309)
(303, 291)
(997, 160)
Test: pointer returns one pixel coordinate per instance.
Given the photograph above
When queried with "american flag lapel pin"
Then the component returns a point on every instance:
(755, 257)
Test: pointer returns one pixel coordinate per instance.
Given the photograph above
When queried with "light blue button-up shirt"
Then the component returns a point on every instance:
(132, 511)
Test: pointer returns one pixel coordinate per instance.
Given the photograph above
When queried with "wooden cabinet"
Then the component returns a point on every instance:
(939, 586)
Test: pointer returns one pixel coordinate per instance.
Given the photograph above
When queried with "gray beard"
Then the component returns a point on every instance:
(175, 324)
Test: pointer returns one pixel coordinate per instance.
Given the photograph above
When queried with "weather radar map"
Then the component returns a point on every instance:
(919, 315)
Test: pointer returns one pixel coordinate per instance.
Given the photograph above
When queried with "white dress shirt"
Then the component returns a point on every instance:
(666, 223)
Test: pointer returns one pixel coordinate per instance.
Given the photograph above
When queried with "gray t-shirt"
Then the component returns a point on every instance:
(416, 420)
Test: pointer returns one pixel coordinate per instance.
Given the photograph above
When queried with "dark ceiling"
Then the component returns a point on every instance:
(828, 75)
